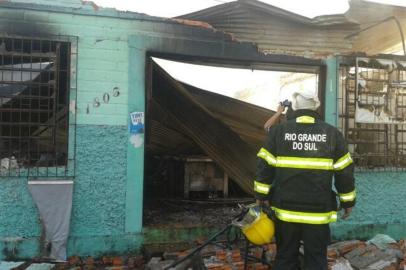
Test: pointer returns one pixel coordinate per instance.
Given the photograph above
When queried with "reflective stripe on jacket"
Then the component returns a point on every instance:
(296, 167)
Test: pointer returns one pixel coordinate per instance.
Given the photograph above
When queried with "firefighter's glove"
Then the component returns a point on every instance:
(347, 213)
(266, 208)
(264, 204)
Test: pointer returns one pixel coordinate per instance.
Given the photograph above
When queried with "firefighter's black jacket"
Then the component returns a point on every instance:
(296, 168)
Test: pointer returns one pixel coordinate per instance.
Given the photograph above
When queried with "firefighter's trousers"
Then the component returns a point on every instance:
(289, 235)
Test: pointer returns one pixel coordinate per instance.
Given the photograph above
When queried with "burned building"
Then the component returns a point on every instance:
(92, 127)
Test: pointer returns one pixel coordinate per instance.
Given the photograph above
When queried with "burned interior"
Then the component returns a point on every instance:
(34, 101)
(372, 106)
(201, 147)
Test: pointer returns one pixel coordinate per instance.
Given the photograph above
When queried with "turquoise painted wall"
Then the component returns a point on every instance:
(18, 220)
(100, 182)
(98, 215)
(380, 208)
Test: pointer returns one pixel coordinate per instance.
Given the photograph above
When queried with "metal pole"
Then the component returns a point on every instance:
(200, 247)
(247, 244)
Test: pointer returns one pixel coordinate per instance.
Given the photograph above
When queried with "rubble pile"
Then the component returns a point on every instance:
(166, 214)
(379, 253)
(259, 258)
(77, 263)
(374, 254)
(103, 263)
(216, 257)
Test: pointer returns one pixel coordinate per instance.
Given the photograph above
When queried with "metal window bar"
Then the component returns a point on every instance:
(34, 91)
(372, 112)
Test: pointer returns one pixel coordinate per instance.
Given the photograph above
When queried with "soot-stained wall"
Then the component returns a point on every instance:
(98, 223)
(112, 49)
(108, 175)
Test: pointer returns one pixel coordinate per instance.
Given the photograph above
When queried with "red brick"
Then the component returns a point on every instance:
(136, 262)
(402, 244)
(391, 267)
(258, 253)
(350, 247)
(74, 260)
(89, 261)
(116, 268)
(220, 252)
(200, 241)
(272, 247)
(117, 261)
(262, 267)
(62, 266)
(332, 254)
(258, 266)
(401, 265)
(107, 260)
(221, 256)
(182, 254)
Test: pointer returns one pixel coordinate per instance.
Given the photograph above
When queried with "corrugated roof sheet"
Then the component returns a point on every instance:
(244, 119)
(278, 31)
(213, 136)
(275, 30)
(376, 35)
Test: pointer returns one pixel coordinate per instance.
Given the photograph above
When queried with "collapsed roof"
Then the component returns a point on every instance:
(367, 27)
(185, 119)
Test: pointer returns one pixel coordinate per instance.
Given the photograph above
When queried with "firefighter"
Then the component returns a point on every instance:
(295, 174)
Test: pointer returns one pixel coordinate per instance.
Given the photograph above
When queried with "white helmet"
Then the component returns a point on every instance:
(305, 100)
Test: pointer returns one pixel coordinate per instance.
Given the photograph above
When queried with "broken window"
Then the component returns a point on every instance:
(34, 83)
(372, 107)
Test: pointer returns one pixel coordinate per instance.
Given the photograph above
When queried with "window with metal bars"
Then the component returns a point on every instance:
(372, 112)
(34, 97)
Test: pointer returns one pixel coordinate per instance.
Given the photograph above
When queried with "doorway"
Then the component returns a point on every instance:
(204, 125)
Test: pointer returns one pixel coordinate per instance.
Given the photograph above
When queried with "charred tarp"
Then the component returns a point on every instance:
(227, 130)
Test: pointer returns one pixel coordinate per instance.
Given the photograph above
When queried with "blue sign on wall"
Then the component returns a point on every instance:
(137, 123)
